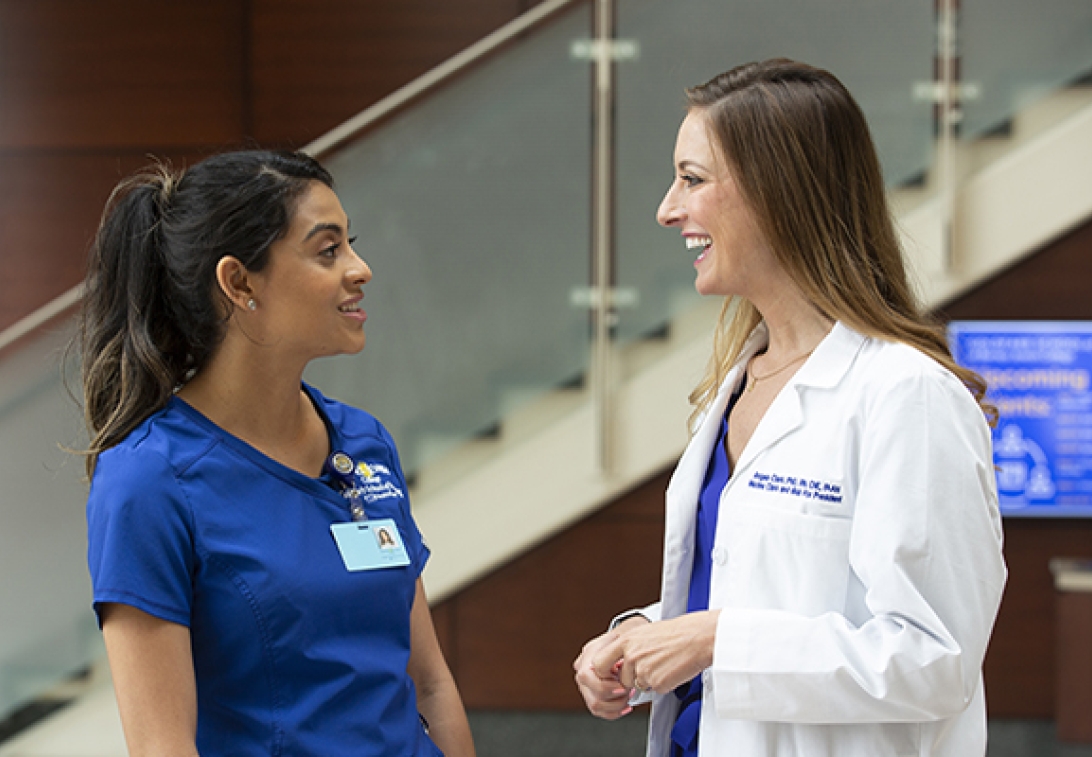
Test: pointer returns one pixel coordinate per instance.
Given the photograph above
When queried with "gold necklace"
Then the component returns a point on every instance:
(756, 378)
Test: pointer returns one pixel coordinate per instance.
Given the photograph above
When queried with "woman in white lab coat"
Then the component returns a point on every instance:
(832, 559)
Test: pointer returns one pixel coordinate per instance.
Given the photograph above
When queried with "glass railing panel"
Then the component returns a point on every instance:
(880, 50)
(47, 631)
(1014, 53)
(472, 208)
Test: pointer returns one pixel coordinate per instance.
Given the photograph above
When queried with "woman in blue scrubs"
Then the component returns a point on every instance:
(248, 602)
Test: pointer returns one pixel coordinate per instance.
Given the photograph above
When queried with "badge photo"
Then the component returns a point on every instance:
(384, 538)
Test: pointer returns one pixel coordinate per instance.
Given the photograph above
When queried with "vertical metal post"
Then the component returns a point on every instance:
(603, 216)
(949, 116)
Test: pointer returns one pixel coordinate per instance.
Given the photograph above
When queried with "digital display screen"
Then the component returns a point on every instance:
(1038, 375)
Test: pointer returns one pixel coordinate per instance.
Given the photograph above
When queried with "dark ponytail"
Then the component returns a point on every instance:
(152, 313)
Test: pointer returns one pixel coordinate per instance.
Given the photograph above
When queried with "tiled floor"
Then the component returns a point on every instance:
(1031, 738)
(90, 727)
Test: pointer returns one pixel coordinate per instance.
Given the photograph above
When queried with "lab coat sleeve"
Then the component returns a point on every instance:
(925, 545)
(651, 613)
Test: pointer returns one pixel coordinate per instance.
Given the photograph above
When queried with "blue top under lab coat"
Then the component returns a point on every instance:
(684, 736)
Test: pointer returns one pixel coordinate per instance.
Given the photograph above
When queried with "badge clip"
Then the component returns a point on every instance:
(342, 467)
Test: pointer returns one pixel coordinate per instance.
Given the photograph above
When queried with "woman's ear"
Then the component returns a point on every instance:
(234, 281)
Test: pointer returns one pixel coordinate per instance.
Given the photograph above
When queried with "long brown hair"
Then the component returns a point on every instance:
(152, 315)
(798, 146)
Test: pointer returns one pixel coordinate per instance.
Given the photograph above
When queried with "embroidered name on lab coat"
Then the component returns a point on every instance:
(796, 486)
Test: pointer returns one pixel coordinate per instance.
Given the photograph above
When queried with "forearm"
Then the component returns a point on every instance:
(438, 699)
(657, 656)
(154, 683)
(442, 707)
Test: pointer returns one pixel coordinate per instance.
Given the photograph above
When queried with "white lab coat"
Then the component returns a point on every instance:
(857, 561)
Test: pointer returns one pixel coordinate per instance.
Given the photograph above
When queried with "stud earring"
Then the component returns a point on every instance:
(252, 304)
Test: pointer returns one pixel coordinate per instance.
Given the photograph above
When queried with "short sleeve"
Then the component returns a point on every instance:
(140, 536)
(416, 548)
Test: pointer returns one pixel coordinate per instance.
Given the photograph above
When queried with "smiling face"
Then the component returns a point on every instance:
(707, 206)
(308, 296)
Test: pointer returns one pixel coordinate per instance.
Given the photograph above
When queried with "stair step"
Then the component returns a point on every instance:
(1049, 111)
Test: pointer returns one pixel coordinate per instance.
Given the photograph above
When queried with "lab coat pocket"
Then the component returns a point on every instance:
(781, 560)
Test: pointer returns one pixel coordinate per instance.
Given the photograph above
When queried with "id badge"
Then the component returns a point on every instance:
(370, 544)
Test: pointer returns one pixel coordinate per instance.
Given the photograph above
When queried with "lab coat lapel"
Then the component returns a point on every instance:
(685, 487)
(783, 416)
(824, 369)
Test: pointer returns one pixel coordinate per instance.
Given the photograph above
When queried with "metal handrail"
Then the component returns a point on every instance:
(949, 117)
(41, 316)
(603, 235)
(438, 75)
(344, 133)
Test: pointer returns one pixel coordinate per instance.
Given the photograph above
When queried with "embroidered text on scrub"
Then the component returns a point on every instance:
(361, 482)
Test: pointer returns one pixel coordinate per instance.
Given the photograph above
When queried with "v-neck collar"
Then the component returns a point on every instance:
(314, 486)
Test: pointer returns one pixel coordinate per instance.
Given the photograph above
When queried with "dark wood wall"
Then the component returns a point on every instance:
(88, 90)
(512, 636)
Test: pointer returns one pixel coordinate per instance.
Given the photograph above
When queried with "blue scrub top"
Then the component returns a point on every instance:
(293, 654)
(684, 735)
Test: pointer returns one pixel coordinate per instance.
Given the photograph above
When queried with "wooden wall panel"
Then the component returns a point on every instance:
(1053, 284)
(317, 64)
(1020, 663)
(116, 73)
(50, 206)
(1074, 685)
(518, 630)
(85, 86)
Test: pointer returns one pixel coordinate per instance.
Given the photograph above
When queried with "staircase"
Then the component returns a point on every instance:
(537, 475)
(483, 361)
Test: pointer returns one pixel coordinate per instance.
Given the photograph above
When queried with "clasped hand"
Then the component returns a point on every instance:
(642, 656)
